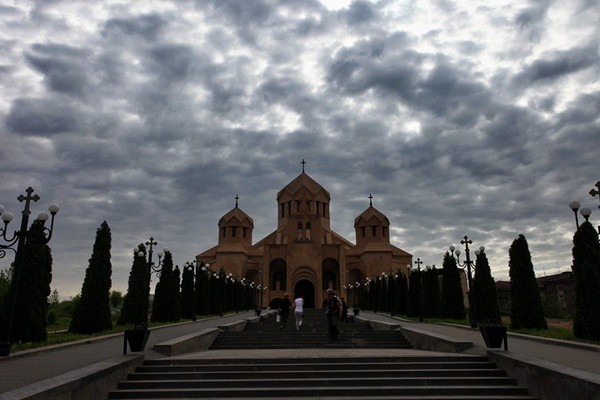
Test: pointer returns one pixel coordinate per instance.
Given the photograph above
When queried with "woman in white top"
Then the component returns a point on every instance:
(299, 311)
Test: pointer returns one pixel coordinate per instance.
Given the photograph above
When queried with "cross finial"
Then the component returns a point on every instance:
(28, 199)
(236, 200)
(303, 162)
(418, 262)
(371, 200)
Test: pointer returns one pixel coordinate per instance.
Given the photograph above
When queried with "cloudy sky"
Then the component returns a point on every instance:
(461, 118)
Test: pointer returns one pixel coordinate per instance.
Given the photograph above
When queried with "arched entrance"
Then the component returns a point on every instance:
(306, 289)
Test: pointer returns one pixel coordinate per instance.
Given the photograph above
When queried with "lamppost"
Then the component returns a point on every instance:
(468, 264)
(585, 211)
(151, 268)
(19, 238)
(418, 262)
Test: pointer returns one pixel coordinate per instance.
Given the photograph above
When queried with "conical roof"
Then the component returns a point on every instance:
(303, 180)
(236, 213)
(371, 213)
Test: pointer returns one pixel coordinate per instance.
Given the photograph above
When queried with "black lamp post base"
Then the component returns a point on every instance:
(4, 349)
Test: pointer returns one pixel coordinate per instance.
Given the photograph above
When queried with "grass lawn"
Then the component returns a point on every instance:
(58, 335)
(557, 328)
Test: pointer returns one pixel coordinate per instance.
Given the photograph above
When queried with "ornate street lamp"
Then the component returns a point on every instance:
(468, 264)
(418, 262)
(585, 211)
(19, 238)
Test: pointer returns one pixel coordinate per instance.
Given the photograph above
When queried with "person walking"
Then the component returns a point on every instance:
(344, 310)
(299, 312)
(333, 311)
(284, 310)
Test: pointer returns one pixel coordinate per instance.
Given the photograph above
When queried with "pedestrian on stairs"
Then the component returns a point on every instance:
(333, 311)
(344, 310)
(284, 310)
(299, 312)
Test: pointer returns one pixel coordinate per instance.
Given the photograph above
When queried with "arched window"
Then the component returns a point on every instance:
(308, 230)
(299, 230)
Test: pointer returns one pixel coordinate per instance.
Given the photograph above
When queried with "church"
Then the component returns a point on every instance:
(304, 256)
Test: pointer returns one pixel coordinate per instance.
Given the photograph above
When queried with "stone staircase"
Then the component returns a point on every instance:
(402, 377)
(314, 334)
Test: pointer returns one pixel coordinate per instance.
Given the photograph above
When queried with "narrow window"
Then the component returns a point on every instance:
(308, 230)
(308, 206)
(374, 230)
(233, 231)
(299, 230)
(325, 210)
(383, 231)
(244, 232)
(317, 203)
(289, 204)
(364, 231)
(297, 206)
(282, 210)
(224, 232)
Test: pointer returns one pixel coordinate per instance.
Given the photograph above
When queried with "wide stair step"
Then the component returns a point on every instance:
(314, 334)
(410, 377)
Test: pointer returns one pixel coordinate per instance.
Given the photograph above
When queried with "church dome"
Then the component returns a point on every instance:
(303, 181)
(372, 226)
(235, 226)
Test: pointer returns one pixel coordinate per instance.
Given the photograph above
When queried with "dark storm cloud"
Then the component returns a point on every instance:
(42, 117)
(148, 27)
(359, 12)
(64, 68)
(559, 65)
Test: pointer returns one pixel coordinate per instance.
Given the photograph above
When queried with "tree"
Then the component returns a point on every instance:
(401, 297)
(188, 299)
(5, 279)
(134, 305)
(165, 298)
(586, 267)
(175, 292)
(116, 299)
(484, 296)
(453, 304)
(92, 314)
(201, 291)
(30, 322)
(431, 293)
(414, 294)
(526, 309)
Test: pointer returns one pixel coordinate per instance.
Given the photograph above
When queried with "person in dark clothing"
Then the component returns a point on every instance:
(284, 310)
(333, 311)
(344, 310)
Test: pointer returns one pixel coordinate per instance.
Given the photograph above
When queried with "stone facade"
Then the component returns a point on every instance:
(303, 256)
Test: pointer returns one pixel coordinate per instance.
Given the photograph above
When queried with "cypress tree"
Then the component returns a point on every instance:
(453, 305)
(188, 299)
(29, 321)
(134, 304)
(164, 298)
(526, 309)
(414, 293)
(201, 291)
(431, 294)
(176, 294)
(92, 313)
(485, 298)
(401, 294)
(586, 268)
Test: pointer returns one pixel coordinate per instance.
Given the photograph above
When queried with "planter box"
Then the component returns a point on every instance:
(137, 339)
(494, 336)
